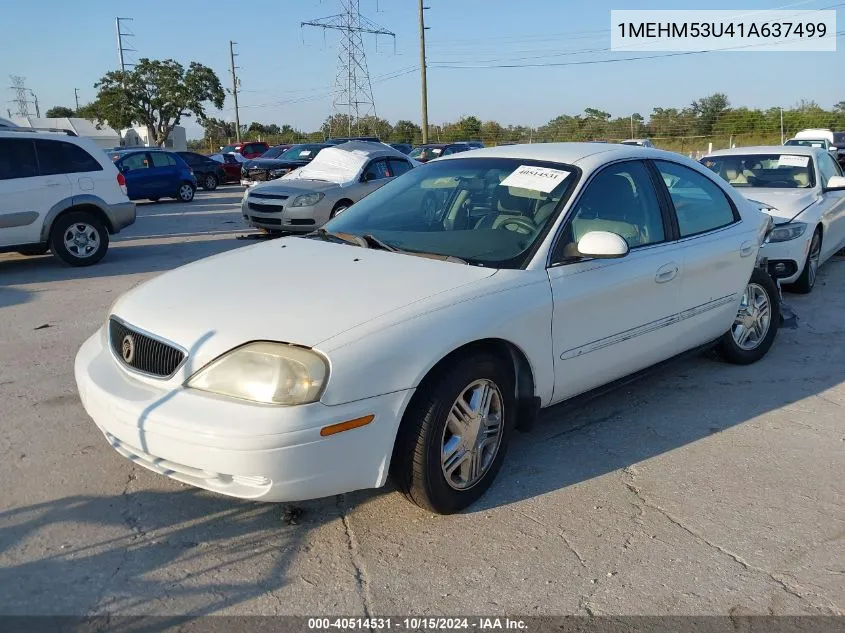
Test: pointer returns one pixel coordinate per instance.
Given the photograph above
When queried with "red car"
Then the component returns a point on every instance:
(251, 149)
(231, 163)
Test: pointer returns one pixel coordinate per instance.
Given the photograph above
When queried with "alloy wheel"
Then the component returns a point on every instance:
(81, 240)
(753, 318)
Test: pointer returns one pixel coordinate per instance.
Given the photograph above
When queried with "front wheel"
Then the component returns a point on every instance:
(756, 323)
(453, 437)
(807, 280)
(209, 183)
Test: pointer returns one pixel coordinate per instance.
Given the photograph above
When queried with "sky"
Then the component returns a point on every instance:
(287, 72)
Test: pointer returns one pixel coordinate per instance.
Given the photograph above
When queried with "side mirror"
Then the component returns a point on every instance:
(836, 183)
(602, 245)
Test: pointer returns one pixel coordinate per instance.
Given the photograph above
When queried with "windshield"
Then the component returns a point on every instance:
(228, 149)
(488, 211)
(426, 153)
(301, 152)
(274, 152)
(807, 142)
(771, 171)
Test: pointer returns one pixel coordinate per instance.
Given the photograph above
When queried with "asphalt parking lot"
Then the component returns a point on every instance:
(703, 489)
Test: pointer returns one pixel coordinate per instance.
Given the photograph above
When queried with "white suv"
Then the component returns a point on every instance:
(61, 193)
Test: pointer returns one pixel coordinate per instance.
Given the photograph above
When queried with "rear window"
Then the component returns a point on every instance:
(17, 159)
(60, 157)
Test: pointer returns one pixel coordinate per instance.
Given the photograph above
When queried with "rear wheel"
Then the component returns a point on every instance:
(79, 239)
(756, 323)
(454, 434)
(209, 183)
(805, 283)
(186, 192)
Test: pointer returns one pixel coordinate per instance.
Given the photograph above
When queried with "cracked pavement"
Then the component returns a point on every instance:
(701, 489)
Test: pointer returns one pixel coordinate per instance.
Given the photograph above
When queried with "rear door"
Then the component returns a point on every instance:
(719, 252)
(140, 182)
(25, 194)
(85, 174)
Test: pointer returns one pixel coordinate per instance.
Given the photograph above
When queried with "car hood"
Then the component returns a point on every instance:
(292, 289)
(292, 187)
(782, 204)
(275, 163)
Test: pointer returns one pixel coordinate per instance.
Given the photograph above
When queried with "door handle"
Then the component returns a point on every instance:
(665, 273)
(746, 249)
(53, 183)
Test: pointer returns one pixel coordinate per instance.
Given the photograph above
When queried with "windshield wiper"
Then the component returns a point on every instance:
(374, 242)
(346, 238)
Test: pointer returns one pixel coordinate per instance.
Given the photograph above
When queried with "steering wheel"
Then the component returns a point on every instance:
(518, 224)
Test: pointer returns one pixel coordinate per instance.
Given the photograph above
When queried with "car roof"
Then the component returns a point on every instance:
(796, 150)
(567, 153)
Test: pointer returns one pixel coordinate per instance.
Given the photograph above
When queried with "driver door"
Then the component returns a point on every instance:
(613, 317)
(376, 174)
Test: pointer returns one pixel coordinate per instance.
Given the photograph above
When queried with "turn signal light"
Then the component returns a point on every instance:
(340, 427)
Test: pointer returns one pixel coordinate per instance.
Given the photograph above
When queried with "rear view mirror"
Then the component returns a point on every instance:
(603, 245)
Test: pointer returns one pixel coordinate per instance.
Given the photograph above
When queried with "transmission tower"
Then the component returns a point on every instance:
(353, 94)
(20, 100)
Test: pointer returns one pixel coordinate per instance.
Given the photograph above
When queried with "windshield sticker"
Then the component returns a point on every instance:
(305, 152)
(788, 160)
(535, 178)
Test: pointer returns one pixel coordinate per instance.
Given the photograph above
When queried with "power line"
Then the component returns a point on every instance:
(353, 88)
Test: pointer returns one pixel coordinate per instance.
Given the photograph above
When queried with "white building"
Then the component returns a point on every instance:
(101, 134)
(138, 136)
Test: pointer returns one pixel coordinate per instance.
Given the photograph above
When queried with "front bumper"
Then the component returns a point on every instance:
(121, 215)
(234, 447)
(786, 259)
(291, 219)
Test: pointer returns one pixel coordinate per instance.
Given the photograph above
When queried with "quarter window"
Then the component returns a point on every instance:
(59, 157)
(17, 159)
(621, 200)
(700, 204)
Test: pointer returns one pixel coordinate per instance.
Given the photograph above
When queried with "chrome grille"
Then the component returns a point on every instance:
(142, 352)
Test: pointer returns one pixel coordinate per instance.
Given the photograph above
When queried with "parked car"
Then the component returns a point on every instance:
(639, 142)
(803, 189)
(339, 176)
(232, 165)
(209, 173)
(251, 149)
(475, 144)
(405, 148)
(61, 193)
(430, 151)
(834, 142)
(413, 344)
(153, 174)
(263, 169)
(6, 123)
(346, 139)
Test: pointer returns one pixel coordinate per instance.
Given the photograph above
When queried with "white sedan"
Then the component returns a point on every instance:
(803, 189)
(413, 333)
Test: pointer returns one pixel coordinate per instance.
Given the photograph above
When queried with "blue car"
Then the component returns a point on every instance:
(155, 173)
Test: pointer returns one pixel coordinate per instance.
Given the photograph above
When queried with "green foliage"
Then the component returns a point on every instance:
(156, 94)
(58, 112)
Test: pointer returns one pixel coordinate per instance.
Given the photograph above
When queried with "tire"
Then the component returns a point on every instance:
(66, 239)
(807, 280)
(730, 346)
(428, 427)
(35, 249)
(186, 192)
(209, 183)
(339, 208)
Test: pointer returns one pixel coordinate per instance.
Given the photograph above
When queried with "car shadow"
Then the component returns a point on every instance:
(13, 296)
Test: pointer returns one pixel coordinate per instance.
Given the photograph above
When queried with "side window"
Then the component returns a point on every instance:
(700, 204)
(398, 166)
(17, 159)
(828, 168)
(191, 159)
(377, 170)
(58, 157)
(620, 199)
(135, 161)
(161, 159)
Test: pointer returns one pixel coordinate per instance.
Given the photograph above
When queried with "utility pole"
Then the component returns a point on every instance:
(121, 49)
(20, 100)
(37, 109)
(235, 91)
(632, 126)
(76, 96)
(353, 88)
(781, 125)
(423, 82)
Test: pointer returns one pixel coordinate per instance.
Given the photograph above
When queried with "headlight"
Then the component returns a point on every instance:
(270, 373)
(786, 232)
(275, 173)
(307, 199)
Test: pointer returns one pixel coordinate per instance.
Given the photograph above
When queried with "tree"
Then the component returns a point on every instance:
(156, 94)
(217, 129)
(707, 110)
(59, 112)
(405, 132)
